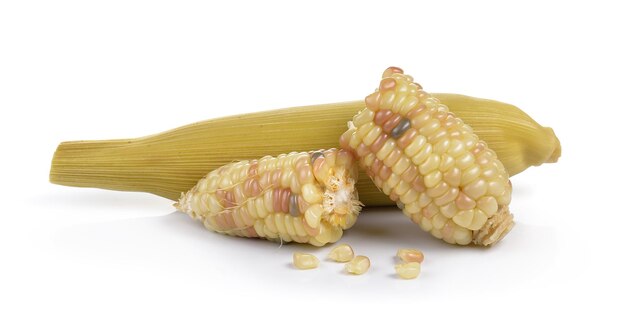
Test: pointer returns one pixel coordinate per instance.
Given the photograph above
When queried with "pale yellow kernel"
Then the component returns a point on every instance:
(214, 204)
(355, 140)
(421, 119)
(270, 223)
(212, 183)
(423, 200)
(476, 189)
(471, 140)
(387, 99)
(429, 127)
(384, 151)
(411, 207)
(415, 146)
(269, 233)
(449, 196)
(456, 148)
(297, 224)
(436, 233)
(268, 201)
(372, 135)
(259, 206)
(313, 215)
(408, 105)
(225, 182)
(488, 205)
(237, 219)
(410, 255)
(258, 228)
(439, 221)
(496, 188)
(441, 146)
(470, 174)
(386, 188)
(438, 190)
(312, 193)
(251, 207)
(336, 233)
(369, 160)
(462, 235)
(294, 185)
(285, 237)
(431, 163)
(432, 179)
(401, 165)
(364, 116)
(409, 270)
(285, 177)
(409, 196)
(393, 180)
(447, 162)
(326, 233)
(453, 176)
(305, 261)
(289, 225)
(478, 221)
(364, 129)
(341, 253)
(465, 160)
(464, 218)
(426, 224)
(421, 156)
(399, 101)
(504, 198)
(358, 265)
(449, 210)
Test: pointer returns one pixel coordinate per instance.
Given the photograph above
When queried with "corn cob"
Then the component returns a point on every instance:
(301, 197)
(172, 162)
(431, 163)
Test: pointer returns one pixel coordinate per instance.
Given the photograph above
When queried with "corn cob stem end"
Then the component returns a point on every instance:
(496, 228)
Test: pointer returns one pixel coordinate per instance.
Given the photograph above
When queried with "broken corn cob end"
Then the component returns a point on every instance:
(306, 197)
(430, 163)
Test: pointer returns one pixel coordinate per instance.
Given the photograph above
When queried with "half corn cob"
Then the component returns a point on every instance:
(431, 163)
(169, 163)
(300, 197)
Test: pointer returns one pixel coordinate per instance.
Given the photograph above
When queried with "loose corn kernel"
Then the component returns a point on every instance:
(259, 198)
(305, 261)
(448, 180)
(410, 255)
(341, 253)
(358, 265)
(409, 270)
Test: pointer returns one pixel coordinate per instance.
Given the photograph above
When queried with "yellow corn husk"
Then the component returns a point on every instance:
(299, 197)
(171, 162)
(442, 175)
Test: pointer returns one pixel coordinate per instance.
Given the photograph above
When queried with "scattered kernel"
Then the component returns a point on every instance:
(410, 255)
(341, 253)
(359, 265)
(305, 261)
(408, 270)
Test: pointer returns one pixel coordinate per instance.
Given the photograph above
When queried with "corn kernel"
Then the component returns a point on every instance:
(358, 265)
(305, 261)
(341, 253)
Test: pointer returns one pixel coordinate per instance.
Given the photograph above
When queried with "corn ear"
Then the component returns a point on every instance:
(300, 197)
(172, 162)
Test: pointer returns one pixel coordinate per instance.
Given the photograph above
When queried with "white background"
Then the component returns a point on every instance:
(112, 69)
